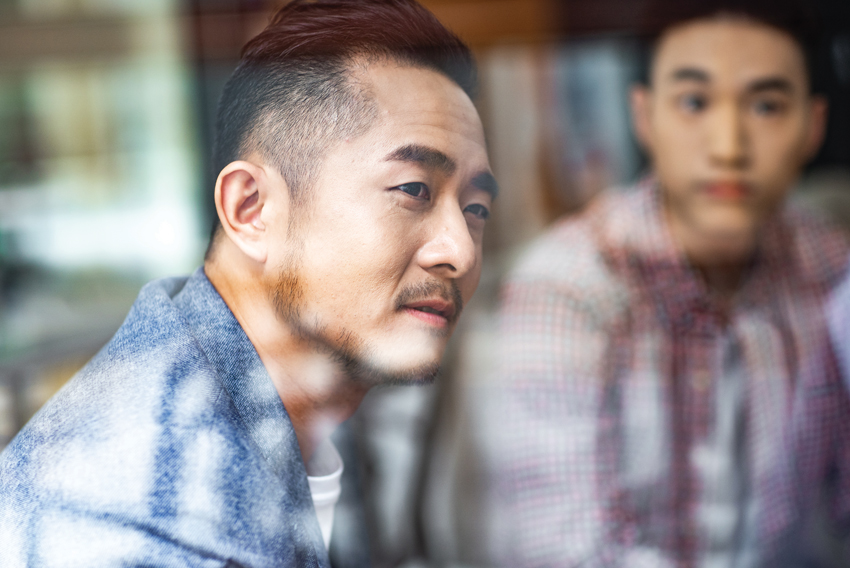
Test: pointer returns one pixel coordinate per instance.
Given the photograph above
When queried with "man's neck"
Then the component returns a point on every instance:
(316, 392)
(723, 282)
(722, 262)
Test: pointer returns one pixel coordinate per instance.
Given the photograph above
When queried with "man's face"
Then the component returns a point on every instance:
(388, 246)
(728, 123)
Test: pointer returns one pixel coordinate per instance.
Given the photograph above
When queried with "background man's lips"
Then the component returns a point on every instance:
(727, 190)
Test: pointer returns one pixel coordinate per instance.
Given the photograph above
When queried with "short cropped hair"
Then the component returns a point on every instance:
(797, 18)
(293, 92)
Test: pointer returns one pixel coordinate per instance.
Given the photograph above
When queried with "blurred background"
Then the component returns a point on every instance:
(106, 112)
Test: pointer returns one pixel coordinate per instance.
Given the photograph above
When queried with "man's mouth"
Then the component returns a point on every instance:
(434, 303)
(435, 312)
(428, 310)
(728, 190)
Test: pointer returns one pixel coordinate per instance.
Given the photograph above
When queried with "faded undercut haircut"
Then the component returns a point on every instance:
(293, 93)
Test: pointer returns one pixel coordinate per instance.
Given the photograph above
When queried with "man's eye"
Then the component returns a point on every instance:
(415, 189)
(693, 103)
(767, 107)
(478, 210)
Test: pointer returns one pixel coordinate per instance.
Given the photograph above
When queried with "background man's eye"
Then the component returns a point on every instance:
(478, 210)
(693, 103)
(767, 107)
(415, 189)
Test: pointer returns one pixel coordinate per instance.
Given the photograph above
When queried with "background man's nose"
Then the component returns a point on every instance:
(727, 137)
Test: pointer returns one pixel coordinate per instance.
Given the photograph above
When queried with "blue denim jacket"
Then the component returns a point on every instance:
(171, 448)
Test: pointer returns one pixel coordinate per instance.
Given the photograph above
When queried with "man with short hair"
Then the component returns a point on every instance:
(662, 397)
(353, 191)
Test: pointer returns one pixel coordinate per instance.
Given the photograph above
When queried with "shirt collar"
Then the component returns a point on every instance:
(638, 241)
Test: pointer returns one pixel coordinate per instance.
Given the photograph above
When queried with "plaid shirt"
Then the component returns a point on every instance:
(171, 448)
(839, 326)
(609, 362)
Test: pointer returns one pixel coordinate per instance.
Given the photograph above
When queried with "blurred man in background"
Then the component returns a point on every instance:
(353, 191)
(663, 398)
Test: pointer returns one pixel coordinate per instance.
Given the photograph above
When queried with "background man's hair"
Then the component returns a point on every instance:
(797, 18)
(293, 92)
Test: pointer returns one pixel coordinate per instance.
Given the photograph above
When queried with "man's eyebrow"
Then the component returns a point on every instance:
(690, 74)
(427, 157)
(771, 84)
(434, 159)
(486, 182)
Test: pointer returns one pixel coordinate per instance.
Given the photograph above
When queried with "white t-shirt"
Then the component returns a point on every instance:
(324, 472)
(726, 510)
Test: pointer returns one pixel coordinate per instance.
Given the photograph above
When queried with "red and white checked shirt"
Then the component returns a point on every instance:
(609, 359)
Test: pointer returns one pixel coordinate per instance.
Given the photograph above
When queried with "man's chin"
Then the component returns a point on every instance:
(728, 229)
(399, 360)
(376, 364)
(372, 374)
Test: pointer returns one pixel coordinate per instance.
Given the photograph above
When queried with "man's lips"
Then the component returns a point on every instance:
(731, 190)
(433, 302)
(435, 311)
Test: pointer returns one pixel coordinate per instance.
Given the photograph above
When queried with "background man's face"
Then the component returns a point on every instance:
(389, 243)
(728, 123)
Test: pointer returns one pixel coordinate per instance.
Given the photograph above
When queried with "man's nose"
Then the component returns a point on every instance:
(449, 250)
(727, 133)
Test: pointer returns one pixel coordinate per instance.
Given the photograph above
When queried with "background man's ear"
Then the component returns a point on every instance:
(817, 126)
(640, 100)
(241, 191)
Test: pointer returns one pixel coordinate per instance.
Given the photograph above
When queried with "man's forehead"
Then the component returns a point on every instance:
(421, 117)
(400, 87)
(727, 49)
(420, 107)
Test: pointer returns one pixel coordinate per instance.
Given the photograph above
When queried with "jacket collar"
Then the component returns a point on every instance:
(243, 375)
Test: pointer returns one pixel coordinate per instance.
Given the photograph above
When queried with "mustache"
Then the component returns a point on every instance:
(424, 290)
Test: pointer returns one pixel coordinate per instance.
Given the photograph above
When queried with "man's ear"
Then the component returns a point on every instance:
(818, 113)
(241, 192)
(640, 100)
